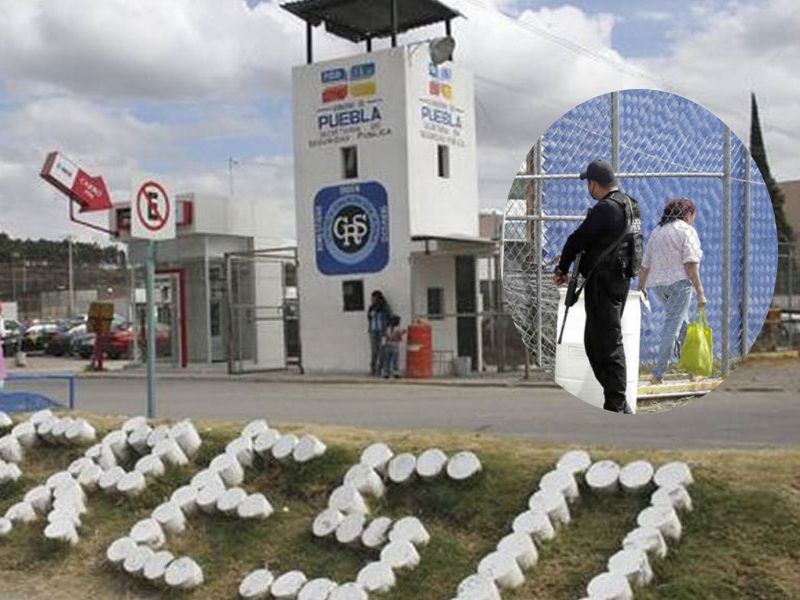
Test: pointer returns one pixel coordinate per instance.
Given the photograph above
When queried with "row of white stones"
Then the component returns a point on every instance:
(548, 509)
(346, 518)
(214, 489)
(9, 471)
(42, 427)
(630, 568)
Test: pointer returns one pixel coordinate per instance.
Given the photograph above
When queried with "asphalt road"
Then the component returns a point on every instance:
(757, 407)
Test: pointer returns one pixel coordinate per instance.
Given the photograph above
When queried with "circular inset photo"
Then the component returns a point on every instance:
(639, 250)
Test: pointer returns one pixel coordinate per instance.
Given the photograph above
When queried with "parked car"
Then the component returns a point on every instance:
(13, 337)
(120, 343)
(37, 336)
(82, 342)
(60, 342)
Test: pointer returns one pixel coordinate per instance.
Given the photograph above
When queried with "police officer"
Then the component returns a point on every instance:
(609, 276)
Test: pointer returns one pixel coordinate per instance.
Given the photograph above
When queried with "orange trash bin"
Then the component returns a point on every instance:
(419, 351)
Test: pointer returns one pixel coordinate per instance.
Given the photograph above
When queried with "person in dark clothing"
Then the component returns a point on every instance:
(609, 276)
(378, 316)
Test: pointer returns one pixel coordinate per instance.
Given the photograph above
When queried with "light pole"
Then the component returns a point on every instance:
(14, 258)
(71, 284)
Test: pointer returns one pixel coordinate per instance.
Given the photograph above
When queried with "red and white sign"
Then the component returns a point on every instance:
(89, 192)
(152, 209)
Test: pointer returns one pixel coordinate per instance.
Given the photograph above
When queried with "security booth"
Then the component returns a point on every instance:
(385, 184)
(191, 288)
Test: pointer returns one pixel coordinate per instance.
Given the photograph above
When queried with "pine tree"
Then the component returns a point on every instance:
(759, 153)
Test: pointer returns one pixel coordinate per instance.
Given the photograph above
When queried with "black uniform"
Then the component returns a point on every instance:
(607, 290)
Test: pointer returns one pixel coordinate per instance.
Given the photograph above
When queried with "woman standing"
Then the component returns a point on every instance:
(377, 321)
(671, 266)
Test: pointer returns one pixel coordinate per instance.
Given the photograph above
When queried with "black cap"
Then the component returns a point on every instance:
(599, 171)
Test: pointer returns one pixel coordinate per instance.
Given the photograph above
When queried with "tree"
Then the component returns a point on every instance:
(759, 153)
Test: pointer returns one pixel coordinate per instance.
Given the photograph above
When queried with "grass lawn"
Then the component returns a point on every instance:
(741, 541)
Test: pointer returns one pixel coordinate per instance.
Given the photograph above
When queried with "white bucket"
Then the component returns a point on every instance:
(317, 589)
(170, 452)
(636, 476)
(255, 506)
(308, 448)
(264, 441)
(431, 463)
(664, 518)
(411, 529)
(603, 477)
(573, 372)
(110, 478)
(148, 532)
(350, 529)
(574, 461)
(674, 473)
(185, 497)
(347, 499)
(553, 503)
(562, 482)
(610, 586)
(253, 428)
(5, 527)
(256, 585)
(536, 524)
(676, 496)
(521, 546)
(119, 549)
(400, 554)
(170, 516)
(40, 498)
(282, 449)
(187, 437)
(402, 468)
(632, 563)
(377, 456)
(648, 539)
(242, 449)
(288, 585)
(156, 566)
(502, 567)
(478, 587)
(365, 479)
(136, 559)
(376, 533)
(463, 465)
(376, 577)
(229, 501)
(348, 591)
(183, 573)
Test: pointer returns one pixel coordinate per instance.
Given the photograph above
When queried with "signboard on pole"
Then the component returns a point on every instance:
(152, 208)
(88, 191)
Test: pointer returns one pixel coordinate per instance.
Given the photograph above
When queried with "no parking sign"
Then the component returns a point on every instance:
(152, 208)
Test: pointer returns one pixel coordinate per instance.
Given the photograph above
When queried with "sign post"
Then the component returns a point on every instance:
(152, 218)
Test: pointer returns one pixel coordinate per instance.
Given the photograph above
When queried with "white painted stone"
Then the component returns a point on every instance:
(632, 563)
(230, 470)
(10, 449)
(185, 497)
(6, 421)
(478, 587)
(90, 476)
(503, 569)
(170, 517)
(61, 530)
(117, 441)
(119, 549)
(350, 529)
(377, 456)
(136, 559)
(148, 532)
(170, 453)
(553, 504)
(254, 428)
(229, 501)
(70, 514)
(264, 441)
(376, 578)
(133, 424)
(282, 449)
(106, 457)
(402, 467)
(110, 479)
(255, 506)
(609, 586)
(256, 585)
(574, 461)
(150, 466)
(155, 567)
(208, 496)
(326, 522)
(562, 482)
(204, 477)
(25, 433)
(161, 432)
(365, 479)
(400, 554)
(348, 591)
(376, 533)
(411, 529)
(308, 448)
(21, 512)
(9, 472)
(317, 589)
(347, 499)
(535, 523)
(636, 476)
(675, 496)
(45, 430)
(648, 539)
(40, 416)
(603, 476)
(463, 465)
(664, 518)
(186, 436)
(288, 585)
(137, 438)
(431, 463)
(521, 547)
(183, 573)
(674, 473)
(59, 432)
(5, 527)
(40, 498)
(78, 465)
(80, 432)
(242, 449)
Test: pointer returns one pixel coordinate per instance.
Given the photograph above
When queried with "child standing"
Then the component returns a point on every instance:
(392, 339)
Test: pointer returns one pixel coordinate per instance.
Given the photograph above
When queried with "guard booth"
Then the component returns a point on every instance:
(385, 184)
(197, 317)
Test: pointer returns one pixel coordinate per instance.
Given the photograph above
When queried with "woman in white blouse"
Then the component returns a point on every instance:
(671, 266)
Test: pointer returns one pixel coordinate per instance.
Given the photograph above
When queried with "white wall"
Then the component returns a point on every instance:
(437, 271)
(441, 206)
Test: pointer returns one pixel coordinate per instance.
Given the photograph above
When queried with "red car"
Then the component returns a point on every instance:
(120, 342)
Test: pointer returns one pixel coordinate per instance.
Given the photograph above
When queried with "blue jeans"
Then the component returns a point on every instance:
(676, 299)
(375, 352)
(391, 355)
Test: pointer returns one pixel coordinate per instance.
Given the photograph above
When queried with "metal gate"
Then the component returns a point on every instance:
(263, 310)
(661, 146)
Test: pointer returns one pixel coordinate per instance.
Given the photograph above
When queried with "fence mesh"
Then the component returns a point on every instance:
(668, 147)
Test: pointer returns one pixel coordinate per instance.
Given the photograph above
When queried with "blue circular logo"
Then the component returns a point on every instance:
(351, 229)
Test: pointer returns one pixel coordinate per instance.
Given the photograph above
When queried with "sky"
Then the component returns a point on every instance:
(181, 87)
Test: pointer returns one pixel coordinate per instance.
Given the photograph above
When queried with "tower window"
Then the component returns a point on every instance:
(349, 162)
(443, 154)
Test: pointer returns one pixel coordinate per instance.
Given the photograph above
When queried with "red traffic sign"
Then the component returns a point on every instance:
(152, 209)
(88, 191)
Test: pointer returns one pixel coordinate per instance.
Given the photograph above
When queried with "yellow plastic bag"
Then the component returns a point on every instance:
(697, 352)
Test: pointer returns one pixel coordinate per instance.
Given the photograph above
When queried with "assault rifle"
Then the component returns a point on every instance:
(573, 293)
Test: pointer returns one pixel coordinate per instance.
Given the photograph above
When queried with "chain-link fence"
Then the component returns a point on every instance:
(662, 147)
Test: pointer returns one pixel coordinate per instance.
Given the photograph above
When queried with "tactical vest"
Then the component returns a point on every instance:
(627, 259)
